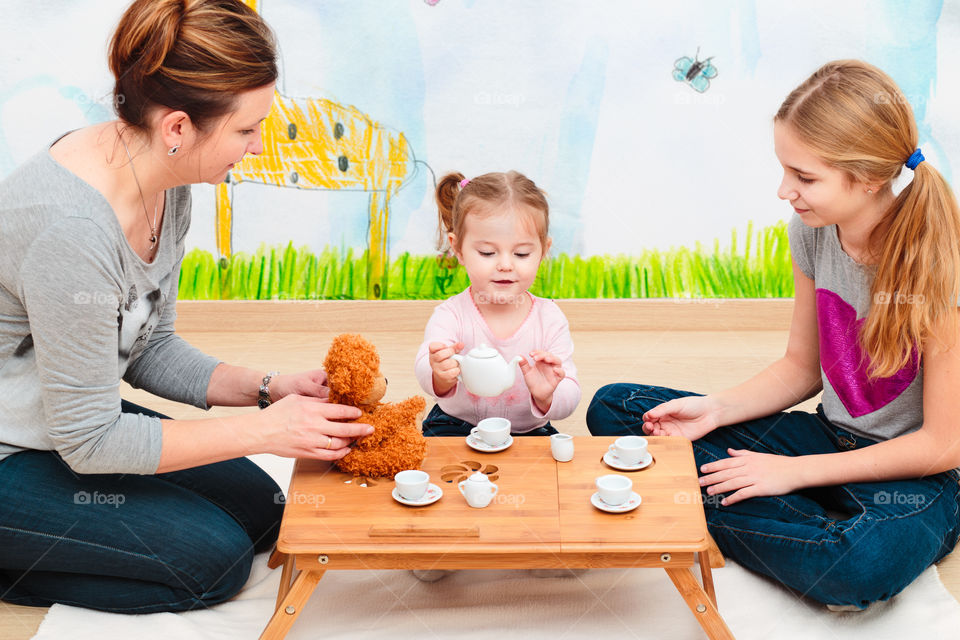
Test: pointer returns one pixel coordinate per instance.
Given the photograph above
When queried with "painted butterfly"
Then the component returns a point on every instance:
(697, 73)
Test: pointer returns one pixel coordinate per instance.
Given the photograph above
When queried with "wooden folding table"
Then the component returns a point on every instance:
(541, 518)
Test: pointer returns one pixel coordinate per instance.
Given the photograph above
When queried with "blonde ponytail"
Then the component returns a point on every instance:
(917, 284)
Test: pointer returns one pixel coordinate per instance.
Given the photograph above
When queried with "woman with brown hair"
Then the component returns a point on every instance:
(105, 504)
(849, 504)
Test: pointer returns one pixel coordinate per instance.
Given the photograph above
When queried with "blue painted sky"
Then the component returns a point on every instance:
(579, 96)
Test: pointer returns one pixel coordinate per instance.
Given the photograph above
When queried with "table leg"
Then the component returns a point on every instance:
(700, 604)
(285, 615)
(713, 552)
(706, 576)
(285, 576)
(276, 558)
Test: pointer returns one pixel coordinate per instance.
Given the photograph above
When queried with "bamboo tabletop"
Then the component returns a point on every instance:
(541, 517)
(542, 506)
(669, 518)
(331, 511)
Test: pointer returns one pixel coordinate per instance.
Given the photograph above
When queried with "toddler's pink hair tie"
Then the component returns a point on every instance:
(464, 182)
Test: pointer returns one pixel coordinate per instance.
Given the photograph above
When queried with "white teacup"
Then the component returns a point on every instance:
(561, 446)
(493, 431)
(629, 450)
(614, 489)
(412, 484)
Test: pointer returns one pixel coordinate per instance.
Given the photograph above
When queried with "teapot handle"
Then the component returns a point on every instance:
(495, 489)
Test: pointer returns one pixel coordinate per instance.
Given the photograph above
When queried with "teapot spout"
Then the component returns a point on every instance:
(516, 360)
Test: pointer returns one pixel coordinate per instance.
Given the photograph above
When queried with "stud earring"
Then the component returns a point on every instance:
(869, 190)
(173, 150)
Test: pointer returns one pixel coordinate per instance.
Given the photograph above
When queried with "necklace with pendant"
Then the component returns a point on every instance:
(156, 199)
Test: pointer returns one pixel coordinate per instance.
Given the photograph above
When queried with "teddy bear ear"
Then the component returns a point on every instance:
(353, 347)
(352, 366)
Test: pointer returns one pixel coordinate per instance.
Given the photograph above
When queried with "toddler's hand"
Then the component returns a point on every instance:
(445, 368)
(542, 377)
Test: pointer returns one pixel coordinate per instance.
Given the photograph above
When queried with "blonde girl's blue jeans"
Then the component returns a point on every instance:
(851, 545)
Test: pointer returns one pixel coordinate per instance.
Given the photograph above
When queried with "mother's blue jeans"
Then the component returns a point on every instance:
(851, 544)
(131, 543)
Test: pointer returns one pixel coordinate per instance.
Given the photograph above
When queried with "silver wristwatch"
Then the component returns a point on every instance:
(263, 399)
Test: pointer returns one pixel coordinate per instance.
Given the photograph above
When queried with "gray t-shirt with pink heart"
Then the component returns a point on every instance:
(880, 409)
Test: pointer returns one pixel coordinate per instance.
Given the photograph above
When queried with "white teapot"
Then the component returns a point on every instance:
(478, 490)
(484, 371)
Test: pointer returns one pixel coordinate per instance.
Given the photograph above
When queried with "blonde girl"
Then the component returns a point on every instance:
(849, 504)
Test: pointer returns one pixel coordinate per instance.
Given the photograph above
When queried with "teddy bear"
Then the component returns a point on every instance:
(397, 443)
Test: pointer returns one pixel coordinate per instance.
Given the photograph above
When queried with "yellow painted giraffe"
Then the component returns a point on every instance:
(314, 143)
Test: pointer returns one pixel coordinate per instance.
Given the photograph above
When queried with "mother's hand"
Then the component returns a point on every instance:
(298, 426)
(749, 474)
(306, 383)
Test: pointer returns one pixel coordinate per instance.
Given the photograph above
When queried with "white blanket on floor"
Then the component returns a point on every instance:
(613, 603)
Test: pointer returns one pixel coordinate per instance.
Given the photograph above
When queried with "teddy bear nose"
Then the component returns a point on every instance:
(385, 381)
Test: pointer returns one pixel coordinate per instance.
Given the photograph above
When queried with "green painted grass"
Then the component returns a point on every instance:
(756, 266)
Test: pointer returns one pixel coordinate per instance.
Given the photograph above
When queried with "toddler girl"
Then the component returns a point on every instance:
(496, 225)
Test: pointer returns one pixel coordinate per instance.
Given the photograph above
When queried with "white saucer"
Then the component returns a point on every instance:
(612, 460)
(480, 445)
(632, 503)
(433, 494)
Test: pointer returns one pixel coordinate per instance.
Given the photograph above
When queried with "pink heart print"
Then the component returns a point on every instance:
(845, 364)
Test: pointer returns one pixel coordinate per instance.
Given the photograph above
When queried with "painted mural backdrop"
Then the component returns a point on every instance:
(647, 123)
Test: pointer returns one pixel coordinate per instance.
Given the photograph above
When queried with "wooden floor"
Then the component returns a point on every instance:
(698, 360)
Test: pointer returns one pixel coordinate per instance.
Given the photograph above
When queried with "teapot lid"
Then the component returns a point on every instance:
(483, 351)
(478, 477)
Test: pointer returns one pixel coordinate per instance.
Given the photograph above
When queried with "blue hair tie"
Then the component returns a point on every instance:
(915, 159)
